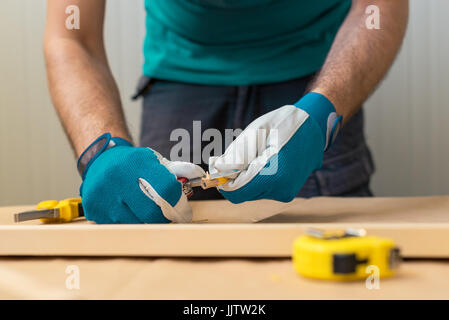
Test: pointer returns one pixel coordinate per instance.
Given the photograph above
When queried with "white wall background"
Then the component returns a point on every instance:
(407, 117)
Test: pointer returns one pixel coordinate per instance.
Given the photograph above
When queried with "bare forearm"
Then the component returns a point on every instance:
(83, 92)
(360, 57)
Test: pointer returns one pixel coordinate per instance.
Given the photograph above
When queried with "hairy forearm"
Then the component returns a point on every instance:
(84, 93)
(360, 57)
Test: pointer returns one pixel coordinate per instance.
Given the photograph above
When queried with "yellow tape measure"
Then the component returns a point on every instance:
(343, 255)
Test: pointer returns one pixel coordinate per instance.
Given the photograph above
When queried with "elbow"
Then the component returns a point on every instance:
(60, 47)
(55, 46)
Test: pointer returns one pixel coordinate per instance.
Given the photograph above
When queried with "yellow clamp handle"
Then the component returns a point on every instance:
(68, 209)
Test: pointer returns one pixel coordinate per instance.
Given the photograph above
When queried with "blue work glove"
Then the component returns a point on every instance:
(126, 184)
(278, 151)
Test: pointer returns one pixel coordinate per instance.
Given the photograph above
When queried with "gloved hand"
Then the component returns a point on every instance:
(278, 151)
(126, 184)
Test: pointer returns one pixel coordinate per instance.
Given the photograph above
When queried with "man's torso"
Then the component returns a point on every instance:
(239, 42)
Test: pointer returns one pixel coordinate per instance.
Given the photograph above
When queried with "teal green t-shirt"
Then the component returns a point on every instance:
(239, 42)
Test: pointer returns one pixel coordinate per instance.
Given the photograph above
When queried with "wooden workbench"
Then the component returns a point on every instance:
(420, 225)
(204, 278)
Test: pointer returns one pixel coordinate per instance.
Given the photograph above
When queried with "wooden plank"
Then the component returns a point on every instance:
(420, 226)
(219, 240)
